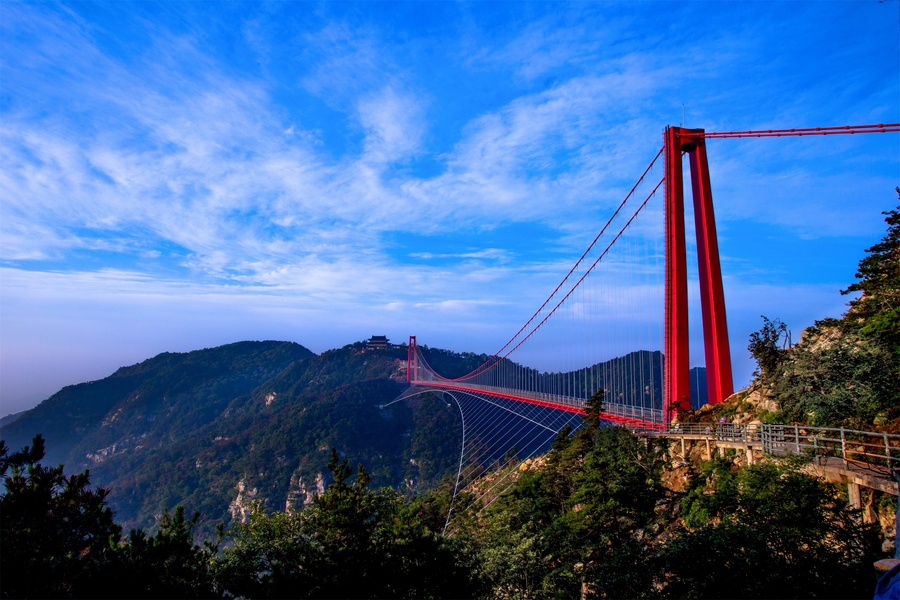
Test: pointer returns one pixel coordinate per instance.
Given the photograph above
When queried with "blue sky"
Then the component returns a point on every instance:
(182, 175)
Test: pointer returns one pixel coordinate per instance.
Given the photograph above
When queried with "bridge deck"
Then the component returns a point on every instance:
(622, 414)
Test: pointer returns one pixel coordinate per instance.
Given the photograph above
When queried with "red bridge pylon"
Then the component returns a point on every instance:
(677, 391)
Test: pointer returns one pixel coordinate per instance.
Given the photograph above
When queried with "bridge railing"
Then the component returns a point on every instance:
(638, 413)
(862, 448)
(723, 432)
(866, 449)
(625, 412)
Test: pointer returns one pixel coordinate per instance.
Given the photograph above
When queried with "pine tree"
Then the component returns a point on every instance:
(878, 309)
(57, 536)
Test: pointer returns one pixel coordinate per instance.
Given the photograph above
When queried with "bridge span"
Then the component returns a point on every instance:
(617, 323)
(620, 414)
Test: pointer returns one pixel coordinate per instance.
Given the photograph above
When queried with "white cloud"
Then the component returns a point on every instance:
(494, 254)
(160, 174)
(393, 126)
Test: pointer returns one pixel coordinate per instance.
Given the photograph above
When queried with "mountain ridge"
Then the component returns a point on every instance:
(213, 428)
(254, 422)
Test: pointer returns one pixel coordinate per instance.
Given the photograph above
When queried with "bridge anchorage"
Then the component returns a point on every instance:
(633, 346)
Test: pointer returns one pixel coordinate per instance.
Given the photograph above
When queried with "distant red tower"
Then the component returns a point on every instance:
(411, 360)
(677, 391)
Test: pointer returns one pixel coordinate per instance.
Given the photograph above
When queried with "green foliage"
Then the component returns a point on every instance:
(878, 274)
(169, 564)
(272, 556)
(767, 347)
(59, 540)
(57, 536)
(613, 505)
(766, 531)
(593, 409)
(593, 519)
(576, 523)
(353, 542)
(845, 372)
(837, 378)
(515, 558)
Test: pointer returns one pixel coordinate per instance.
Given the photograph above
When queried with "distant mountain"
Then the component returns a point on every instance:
(219, 429)
(147, 403)
(8, 419)
(699, 395)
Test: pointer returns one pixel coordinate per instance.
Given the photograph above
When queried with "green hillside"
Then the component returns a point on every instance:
(145, 405)
(843, 372)
(218, 429)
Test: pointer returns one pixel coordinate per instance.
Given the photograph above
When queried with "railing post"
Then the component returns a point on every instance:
(797, 438)
(843, 447)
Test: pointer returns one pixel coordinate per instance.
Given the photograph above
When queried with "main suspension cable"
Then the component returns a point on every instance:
(836, 130)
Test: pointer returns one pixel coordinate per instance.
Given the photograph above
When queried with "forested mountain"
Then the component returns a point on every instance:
(253, 421)
(220, 428)
(140, 406)
(844, 372)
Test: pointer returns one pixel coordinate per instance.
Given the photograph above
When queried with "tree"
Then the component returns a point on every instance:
(765, 531)
(272, 556)
(57, 536)
(617, 491)
(767, 346)
(878, 277)
(837, 377)
(593, 409)
(844, 372)
(58, 539)
(576, 523)
(352, 543)
(169, 564)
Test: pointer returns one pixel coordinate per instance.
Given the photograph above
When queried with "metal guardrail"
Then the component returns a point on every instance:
(724, 432)
(862, 448)
(625, 411)
(867, 449)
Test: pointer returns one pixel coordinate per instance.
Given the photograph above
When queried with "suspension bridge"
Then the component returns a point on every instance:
(616, 324)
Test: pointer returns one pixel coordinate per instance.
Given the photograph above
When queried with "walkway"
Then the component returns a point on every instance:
(842, 456)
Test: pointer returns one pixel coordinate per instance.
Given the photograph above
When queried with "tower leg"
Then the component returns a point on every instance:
(677, 385)
(719, 383)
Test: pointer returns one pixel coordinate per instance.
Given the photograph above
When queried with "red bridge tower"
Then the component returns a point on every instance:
(677, 391)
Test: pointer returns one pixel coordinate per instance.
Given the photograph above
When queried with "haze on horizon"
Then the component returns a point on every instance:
(183, 175)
